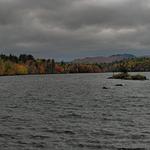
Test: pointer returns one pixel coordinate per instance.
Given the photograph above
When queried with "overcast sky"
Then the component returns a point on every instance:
(66, 29)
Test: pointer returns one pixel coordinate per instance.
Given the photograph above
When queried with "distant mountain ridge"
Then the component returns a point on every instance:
(102, 59)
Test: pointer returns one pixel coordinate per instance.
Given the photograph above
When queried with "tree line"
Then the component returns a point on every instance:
(141, 64)
(27, 64)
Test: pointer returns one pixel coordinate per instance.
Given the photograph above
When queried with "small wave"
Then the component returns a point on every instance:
(5, 135)
(40, 145)
(136, 136)
(21, 142)
(138, 96)
(19, 128)
(131, 149)
(68, 132)
(91, 146)
(71, 115)
(42, 137)
(108, 133)
(5, 117)
(13, 107)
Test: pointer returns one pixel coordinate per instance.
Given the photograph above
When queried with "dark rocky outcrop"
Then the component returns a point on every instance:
(126, 76)
(119, 85)
(104, 87)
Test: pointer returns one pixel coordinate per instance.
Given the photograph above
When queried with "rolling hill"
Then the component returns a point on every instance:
(102, 59)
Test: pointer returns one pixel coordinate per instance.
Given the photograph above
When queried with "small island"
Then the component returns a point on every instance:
(124, 75)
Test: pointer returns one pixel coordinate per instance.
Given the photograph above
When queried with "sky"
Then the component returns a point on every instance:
(68, 29)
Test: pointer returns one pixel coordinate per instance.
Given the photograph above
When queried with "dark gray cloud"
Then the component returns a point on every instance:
(70, 28)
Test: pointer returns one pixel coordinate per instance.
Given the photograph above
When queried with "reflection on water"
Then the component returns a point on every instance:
(74, 112)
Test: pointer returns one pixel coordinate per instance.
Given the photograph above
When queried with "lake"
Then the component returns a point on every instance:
(74, 112)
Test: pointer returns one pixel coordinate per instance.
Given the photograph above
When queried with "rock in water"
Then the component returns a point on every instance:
(104, 87)
(119, 85)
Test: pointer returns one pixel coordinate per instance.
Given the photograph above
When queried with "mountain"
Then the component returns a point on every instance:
(101, 59)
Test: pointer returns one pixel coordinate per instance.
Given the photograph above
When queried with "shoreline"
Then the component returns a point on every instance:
(67, 73)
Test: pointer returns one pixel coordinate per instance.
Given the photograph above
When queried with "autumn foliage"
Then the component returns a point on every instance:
(27, 64)
(20, 69)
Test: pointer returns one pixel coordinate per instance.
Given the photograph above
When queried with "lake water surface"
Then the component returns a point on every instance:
(73, 112)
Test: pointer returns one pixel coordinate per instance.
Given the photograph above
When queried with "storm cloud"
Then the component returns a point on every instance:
(74, 28)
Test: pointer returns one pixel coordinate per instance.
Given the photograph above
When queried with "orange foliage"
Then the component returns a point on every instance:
(41, 68)
(21, 69)
(59, 69)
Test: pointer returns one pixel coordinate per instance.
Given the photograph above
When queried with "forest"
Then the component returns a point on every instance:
(139, 64)
(27, 64)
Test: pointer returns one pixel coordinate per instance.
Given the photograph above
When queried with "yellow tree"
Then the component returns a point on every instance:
(21, 69)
